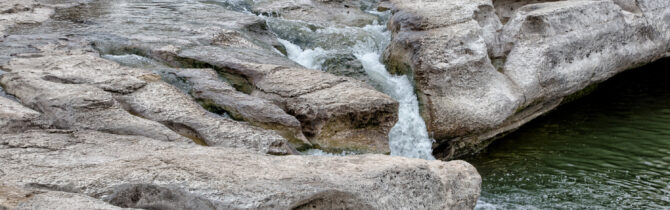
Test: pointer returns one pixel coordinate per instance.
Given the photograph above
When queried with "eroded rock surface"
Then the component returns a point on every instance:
(13, 12)
(79, 90)
(477, 78)
(344, 12)
(119, 170)
(20, 198)
(15, 117)
(207, 88)
(336, 113)
(241, 48)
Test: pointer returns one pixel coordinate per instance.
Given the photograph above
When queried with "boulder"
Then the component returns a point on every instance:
(120, 170)
(477, 79)
(445, 50)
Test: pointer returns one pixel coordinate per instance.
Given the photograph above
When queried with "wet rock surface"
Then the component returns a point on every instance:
(492, 78)
(119, 170)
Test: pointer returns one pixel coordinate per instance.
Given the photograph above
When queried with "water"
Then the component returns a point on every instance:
(409, 136)
(610, 150)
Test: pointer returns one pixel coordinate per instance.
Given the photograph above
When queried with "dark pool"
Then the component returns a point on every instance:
(608, 150)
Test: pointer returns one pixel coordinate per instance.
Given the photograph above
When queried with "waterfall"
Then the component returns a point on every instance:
(409, 136)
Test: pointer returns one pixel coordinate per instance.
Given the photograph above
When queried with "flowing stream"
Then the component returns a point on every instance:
(409, 137)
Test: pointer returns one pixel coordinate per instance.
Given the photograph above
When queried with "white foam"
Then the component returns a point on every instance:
(309, 58)
(409, 137)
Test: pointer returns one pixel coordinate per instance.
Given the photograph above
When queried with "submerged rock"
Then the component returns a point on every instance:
(119, 170)
(477, 79)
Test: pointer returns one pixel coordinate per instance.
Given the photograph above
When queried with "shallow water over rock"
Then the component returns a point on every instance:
(609, 150)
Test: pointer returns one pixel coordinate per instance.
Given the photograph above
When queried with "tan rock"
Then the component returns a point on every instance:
(83, 91)
(336, 113)
(477, 79)
(214, 94)
(133, 171)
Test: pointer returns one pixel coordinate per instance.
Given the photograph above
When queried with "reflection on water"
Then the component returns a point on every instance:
(610, 150)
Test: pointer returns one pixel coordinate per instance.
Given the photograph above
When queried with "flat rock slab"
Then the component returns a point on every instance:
(134, 171)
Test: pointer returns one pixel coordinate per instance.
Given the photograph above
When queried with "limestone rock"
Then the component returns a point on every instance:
(15, 117)
(76, 90)
(80, 106)
(477, 79)
(347, 12)
(13, 12)
(337, 113)
(442, 44)
(19, 198)
(160, 102)
(120, 170)
(214, 94)
(239, 46)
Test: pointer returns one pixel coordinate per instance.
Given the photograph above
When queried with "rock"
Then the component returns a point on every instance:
(337, 113)
(477, 79)
(343, 12)
(14, 12)
(160, 102)
(238, 46)
(81, 106)
(119, 170)
(348, 66)
(15, 117)
(27, 199)
(442, 45)
(78, 90)
(214, 94)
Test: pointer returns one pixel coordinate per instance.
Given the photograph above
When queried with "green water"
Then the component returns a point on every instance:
(609, 150)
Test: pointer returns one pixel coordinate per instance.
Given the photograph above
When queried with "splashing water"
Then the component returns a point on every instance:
(310, 58)
(409, 137)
